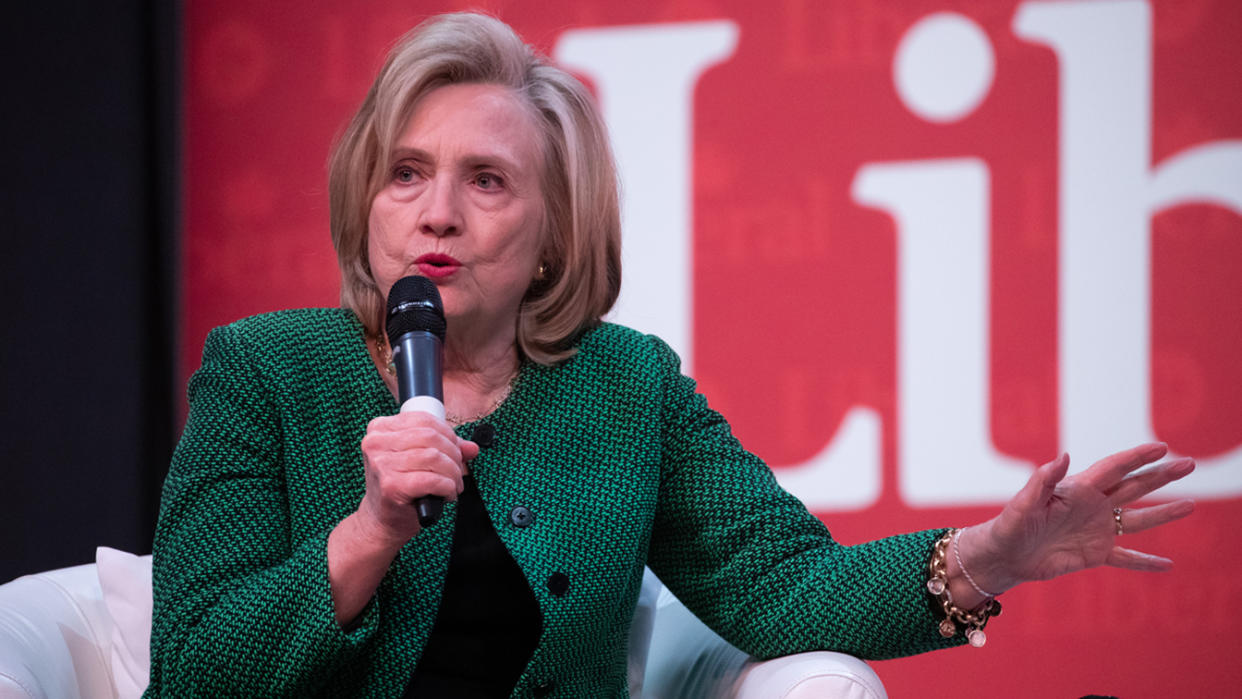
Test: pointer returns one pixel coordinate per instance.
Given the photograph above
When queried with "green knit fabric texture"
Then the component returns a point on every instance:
(618, 458)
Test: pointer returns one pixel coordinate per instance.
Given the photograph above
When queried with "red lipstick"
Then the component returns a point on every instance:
(435, 265)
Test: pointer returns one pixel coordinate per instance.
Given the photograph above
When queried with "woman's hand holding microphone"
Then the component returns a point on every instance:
(405, 456)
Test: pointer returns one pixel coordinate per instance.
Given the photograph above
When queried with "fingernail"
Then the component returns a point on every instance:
(1182, 467)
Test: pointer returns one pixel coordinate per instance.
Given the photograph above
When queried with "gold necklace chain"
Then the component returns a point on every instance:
(504, 395)
(385, 355)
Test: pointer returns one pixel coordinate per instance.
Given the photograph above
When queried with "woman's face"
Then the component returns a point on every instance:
(462, 204)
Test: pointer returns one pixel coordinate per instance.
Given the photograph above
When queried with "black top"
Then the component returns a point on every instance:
(489, 621)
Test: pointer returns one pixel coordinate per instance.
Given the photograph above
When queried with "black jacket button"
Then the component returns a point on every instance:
(558, 584)
(544, 688)
(521, 517)
(484, 435)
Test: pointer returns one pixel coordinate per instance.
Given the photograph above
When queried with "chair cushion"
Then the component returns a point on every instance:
(54, 628)
(640, 631)
(690, 661)
(126, 583)
(810, 675)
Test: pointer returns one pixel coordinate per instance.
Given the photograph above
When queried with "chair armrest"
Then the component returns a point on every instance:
(54, 636)
(687, 660)
(810, 676)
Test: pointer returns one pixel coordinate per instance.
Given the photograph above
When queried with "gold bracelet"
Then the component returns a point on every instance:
(972, 621)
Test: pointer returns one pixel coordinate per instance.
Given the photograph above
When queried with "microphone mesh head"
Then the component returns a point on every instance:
(414, 305)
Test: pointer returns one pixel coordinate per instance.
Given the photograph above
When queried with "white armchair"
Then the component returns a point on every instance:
(687, 660)
(55, 636)
(83, 633)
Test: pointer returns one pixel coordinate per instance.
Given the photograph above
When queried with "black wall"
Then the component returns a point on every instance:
(89, 214)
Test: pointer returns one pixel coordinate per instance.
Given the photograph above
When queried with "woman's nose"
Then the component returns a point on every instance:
(443, 213)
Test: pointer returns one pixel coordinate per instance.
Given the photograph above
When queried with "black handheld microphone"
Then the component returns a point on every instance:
(416, 326)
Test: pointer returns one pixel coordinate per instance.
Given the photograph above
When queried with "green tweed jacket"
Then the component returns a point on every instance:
(618, 459)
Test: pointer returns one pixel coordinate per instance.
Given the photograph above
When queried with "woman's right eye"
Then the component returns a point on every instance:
(404, 174)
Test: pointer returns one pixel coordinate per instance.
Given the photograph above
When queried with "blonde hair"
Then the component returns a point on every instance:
(581, 256)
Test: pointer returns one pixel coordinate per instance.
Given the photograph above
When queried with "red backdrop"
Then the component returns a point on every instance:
(780, 129)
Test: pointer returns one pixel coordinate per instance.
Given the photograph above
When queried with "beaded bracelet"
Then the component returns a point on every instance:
(972, 621)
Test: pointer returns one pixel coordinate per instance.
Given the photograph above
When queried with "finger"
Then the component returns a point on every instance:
(417, 438)
(1136, 560)
(402, 453)
(423, 483)
(401, 422)
(418, 418)
(398, 490)
(408, 446)
(1136, 485)
(428, 476)
(1106, 473)
(1141, 519)
(382, 424)
(1042, 483)
(469, 449)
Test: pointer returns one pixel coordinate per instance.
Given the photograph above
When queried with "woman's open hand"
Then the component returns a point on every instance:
(1057, 525)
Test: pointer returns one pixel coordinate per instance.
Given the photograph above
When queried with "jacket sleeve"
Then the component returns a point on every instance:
(239, 609)
(750, 561)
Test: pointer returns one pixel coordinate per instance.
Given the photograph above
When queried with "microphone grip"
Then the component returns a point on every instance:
(418, 357)
(429, 507)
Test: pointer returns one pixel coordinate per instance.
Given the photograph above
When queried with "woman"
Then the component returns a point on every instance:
(289, 560)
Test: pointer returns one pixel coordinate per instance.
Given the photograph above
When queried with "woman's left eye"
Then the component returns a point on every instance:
(487, 180)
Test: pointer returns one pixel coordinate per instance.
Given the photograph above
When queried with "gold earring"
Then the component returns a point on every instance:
(539, 274)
